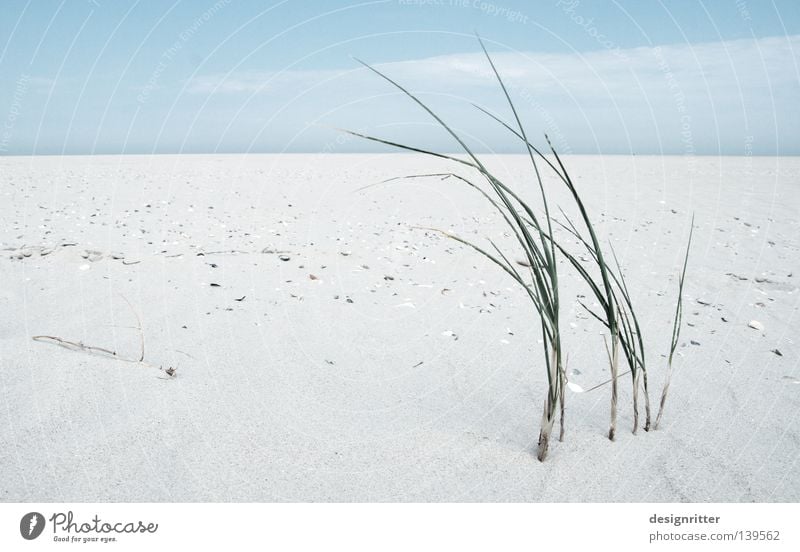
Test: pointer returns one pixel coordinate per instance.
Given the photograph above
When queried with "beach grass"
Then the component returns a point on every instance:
(676, 328)
(540, 281)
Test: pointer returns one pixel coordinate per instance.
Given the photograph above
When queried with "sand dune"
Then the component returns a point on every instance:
(327, 350)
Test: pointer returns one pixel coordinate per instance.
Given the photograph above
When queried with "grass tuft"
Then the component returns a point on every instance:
(540, 276)
(676, 327)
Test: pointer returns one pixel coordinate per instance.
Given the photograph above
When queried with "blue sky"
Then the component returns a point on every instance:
(680, 77)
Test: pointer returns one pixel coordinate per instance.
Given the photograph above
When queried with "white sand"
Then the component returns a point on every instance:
(296, 394)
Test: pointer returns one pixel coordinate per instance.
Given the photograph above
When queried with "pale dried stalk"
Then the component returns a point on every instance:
(636, 378)
(646, 403)
(664, 393)
(613, 358)
(549, 411)
(562, 396)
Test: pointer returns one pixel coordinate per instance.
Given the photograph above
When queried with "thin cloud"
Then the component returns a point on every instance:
(729, 65)
(734, 96)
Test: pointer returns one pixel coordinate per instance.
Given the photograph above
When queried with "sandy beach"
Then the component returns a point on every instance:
(326, 349)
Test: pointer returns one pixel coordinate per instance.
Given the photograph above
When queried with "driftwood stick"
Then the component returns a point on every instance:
(102, 351)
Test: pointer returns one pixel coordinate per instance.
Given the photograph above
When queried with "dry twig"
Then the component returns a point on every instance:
(102, 351)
